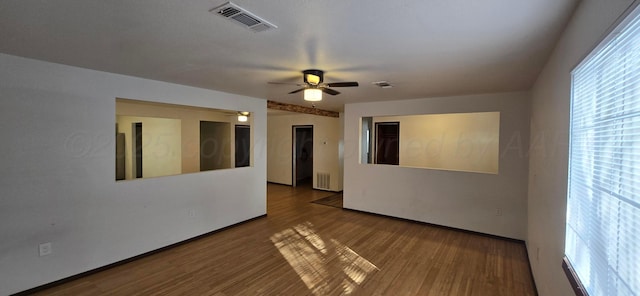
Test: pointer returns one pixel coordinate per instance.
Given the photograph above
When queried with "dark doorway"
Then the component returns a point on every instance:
(120, 155)
(137, 149)
(302, 155)
(215, 146)
(243, 140)
(387, 143)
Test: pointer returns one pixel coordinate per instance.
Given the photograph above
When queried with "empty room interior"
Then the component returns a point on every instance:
(172, 147)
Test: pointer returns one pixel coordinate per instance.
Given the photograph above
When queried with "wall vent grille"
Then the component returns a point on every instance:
(243, 17)
(323, 181)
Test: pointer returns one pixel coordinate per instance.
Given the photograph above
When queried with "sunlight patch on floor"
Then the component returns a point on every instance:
(325, 268)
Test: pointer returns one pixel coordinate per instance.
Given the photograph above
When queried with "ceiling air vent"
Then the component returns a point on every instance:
(243, 17)
(382, 84)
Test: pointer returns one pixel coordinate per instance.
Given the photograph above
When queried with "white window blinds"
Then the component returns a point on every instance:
(603, 204)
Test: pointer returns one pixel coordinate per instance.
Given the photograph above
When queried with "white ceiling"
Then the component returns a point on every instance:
(424, 48)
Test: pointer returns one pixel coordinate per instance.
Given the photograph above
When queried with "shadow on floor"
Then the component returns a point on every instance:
(332, 200)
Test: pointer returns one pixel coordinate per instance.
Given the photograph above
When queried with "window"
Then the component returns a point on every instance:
(602, 245)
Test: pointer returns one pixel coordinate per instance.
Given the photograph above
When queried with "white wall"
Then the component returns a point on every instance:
(549, 140)
(326, 147)
(57, 179)
(456, 199)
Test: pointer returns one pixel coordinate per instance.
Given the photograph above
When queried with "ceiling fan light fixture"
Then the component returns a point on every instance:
(243, 116)
(313, 94)
(314, 86)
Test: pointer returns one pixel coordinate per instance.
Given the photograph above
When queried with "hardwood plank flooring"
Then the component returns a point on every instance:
(302, 248)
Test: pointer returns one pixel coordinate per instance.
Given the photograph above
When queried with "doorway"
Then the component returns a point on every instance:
(302, 165)
(243, 139)
(137, 149)
(388, 143)
(215, 149)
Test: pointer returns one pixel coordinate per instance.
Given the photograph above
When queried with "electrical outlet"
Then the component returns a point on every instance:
(45, 249)
(498, 212)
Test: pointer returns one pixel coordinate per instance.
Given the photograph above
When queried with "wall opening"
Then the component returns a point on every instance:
(171, 141)
(454, 141)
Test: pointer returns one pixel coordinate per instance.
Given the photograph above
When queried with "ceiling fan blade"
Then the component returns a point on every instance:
(297, 90)
(288, 83)
(329, 91)
(342, 84)
(283, 83)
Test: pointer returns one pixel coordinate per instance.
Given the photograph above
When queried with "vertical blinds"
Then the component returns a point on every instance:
(603, 204)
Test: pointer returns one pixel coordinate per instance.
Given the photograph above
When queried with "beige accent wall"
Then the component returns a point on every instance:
(455, 141)
(161, 145)
(327, 142)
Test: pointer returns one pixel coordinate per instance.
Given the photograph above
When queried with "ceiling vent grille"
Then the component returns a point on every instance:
(382, 84)
(243, 17)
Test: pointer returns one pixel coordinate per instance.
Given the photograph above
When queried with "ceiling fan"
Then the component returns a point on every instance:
(314, 85)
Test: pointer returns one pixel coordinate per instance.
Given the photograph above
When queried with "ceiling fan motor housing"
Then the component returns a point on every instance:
(315, 72)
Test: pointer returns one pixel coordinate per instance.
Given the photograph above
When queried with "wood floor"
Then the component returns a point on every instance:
(302, 248)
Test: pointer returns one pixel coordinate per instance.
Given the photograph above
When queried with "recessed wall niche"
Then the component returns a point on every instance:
(159, 139)
(454, 141)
